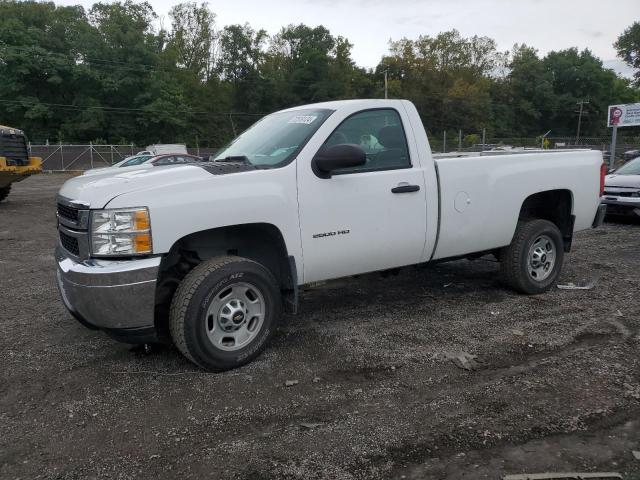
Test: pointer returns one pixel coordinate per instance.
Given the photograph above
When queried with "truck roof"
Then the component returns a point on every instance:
(15, 130)
(336, 104)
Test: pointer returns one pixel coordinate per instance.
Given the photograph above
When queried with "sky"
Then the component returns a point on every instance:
(369, 24)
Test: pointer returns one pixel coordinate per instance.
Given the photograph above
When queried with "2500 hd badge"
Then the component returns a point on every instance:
(331, 234)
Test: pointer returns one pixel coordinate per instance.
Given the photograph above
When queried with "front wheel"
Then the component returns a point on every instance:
(4, 192)
(533, 261)
(224, 312)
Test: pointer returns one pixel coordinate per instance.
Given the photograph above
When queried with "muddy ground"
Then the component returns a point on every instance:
(557, 388)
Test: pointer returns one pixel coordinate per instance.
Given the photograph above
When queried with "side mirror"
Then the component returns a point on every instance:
(327, 160)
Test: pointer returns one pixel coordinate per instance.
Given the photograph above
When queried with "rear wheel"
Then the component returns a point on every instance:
(4, 192)
(224, 312)
(533, 261)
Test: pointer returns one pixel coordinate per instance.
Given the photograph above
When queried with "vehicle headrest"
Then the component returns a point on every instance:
(391, 137)
(337, 138)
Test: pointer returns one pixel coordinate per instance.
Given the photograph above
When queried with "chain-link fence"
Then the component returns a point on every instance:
(474, 143)
(80, 157)
(59, 158)
(83, 157)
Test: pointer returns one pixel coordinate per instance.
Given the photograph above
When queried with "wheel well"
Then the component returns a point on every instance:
(261, 242)
(555, 206)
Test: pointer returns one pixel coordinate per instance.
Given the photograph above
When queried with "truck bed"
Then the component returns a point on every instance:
(514, 151)
(481, 193)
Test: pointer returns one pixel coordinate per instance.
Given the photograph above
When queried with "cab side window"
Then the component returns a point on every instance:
(380, 134)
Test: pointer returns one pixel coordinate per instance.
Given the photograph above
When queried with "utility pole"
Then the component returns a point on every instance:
(582, 104)
(459, 140)
(385, 84)
(233, 127)
(612, 152)
(444, 142)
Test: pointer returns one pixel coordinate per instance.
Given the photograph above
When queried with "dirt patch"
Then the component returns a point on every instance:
(558, 387)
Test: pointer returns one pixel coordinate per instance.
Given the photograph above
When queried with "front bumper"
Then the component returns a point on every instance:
(622, 205)
(16, 173)
(115, 296)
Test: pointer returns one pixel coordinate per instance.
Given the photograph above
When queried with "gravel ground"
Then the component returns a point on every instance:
(557, 386)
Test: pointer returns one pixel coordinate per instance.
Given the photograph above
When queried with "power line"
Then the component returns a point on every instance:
(135, 66)
(131, 67)
(258, 81)
(145, 111)
(41, 51)
(126, 110)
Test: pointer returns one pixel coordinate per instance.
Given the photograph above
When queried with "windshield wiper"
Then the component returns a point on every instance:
(234, 158)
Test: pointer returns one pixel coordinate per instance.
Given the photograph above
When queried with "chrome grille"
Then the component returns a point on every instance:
(69, 243)
(72, 213)
(73, 225)
(622, 194)
(68, 212)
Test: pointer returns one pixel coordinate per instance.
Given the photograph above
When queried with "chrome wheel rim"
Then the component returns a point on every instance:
(235, 316)
(542, 258)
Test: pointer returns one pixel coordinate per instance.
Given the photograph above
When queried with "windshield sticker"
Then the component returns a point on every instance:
(304, 119)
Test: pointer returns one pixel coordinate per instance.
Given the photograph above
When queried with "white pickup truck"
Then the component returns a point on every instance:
(208, 255)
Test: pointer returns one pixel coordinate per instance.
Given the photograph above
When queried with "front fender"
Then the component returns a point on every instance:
(215, 201)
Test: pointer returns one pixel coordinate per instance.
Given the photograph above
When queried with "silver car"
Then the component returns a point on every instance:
(630, 155)
(622, 190)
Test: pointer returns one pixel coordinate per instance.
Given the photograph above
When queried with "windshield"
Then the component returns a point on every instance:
(630, 168)
(276, 138)
(136, 160)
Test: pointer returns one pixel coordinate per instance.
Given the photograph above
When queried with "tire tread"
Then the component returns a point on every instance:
(184, 294)
(511, 255)
(4, 192)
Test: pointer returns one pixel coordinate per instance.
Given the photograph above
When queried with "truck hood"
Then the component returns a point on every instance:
(112, 170)
(629, 181)
(98, 189)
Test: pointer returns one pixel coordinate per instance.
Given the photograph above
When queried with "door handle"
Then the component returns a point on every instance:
(405, 188)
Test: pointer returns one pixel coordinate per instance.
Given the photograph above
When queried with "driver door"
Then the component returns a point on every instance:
(366, 218)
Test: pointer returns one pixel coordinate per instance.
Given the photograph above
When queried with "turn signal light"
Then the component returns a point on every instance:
(142, 243)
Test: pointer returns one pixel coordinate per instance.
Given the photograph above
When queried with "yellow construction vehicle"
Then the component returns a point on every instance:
(15, 162)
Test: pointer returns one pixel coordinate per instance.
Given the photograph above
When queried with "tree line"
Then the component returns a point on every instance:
(114, 73)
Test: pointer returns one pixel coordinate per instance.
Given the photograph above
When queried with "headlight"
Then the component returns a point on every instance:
(120, 232)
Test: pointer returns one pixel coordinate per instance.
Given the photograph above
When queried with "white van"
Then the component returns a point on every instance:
(164, 148)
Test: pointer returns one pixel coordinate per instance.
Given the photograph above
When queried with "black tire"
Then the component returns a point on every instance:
(515, 257)
(4, 192)
(189, 323)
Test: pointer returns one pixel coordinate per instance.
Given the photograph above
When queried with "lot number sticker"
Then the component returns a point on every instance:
(304, 119)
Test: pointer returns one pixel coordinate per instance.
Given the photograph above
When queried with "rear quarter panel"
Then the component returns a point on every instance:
(491, 190)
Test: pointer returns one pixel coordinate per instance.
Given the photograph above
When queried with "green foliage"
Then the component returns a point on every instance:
(543, 92)
(471, 140)
(110, 73)
(192, 39)
(628, 47)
